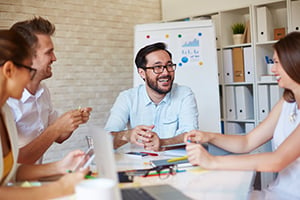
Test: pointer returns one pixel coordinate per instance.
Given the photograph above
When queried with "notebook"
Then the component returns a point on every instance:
(165, 162)
(106, 166)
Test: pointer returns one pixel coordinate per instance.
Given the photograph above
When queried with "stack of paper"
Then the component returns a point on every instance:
(179, 161)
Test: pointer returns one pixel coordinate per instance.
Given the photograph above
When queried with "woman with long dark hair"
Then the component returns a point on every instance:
(281, 126)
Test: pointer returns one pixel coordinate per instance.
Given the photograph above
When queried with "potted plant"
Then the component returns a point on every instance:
(238, 30)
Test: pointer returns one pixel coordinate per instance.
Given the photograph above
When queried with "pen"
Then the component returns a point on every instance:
(150, 154)
(271, 61)
(89, 177)
(177, 159)
(267, 59)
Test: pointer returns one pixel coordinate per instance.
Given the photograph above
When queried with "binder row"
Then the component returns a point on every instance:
(268, 96)
(239, 102)
(238, 127)
(238, 65)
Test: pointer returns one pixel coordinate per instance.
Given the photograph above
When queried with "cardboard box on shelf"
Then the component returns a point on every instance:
(279, 33)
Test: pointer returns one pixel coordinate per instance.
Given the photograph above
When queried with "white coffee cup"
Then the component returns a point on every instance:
(95, 189)
(269, 68)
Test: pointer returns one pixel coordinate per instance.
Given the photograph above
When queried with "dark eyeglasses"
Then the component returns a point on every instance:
(160, 68)
(32, 71)
(162, 172)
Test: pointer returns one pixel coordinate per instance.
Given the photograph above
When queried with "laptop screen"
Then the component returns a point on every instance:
(104, 157)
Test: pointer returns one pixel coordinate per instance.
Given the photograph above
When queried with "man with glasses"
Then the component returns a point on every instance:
(157, 113)
(37, 122)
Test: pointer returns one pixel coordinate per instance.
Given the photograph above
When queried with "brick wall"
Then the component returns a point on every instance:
(94, 45)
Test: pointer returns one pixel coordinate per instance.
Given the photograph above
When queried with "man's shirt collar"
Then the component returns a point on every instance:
(26, 94)
(148, 101)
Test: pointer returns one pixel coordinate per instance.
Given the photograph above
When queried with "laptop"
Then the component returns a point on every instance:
(106, 166)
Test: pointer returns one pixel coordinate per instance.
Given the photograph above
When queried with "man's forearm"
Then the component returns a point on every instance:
(34, 150)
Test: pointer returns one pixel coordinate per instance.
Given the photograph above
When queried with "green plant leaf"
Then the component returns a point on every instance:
(238, 28)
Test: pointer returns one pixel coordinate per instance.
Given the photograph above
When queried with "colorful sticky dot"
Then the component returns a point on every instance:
(199, 34)
(179, 35)
(200, 63)
(180, 64)
(184, 59)
(147, 36)
(167, 35)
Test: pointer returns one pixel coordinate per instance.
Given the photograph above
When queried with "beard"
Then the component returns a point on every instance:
(154, 85)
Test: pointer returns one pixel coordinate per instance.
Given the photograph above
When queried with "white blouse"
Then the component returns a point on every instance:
(287, 183)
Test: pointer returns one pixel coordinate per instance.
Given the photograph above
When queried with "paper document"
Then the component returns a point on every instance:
(175, 152)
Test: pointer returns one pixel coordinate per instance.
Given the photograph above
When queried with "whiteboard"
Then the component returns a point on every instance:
(193, 48)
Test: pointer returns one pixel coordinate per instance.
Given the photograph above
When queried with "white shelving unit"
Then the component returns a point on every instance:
(233, 123)
(262, 88)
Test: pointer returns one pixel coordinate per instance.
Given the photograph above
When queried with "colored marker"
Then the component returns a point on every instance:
(150, 154)
(177, 159)
(267, 59)
(90, 177)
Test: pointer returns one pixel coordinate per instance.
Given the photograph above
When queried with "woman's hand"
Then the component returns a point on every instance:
(196, 136)
(197, 155)
(70, 161)
(66, 184)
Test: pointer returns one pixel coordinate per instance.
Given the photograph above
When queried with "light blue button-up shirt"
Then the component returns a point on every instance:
(175, 114)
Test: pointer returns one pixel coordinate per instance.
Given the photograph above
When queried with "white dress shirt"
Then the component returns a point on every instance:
(32, 114)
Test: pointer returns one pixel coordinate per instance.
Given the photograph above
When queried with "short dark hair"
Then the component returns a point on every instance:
(13, 47)
(29, 28)
(288, 51)
(140, 59)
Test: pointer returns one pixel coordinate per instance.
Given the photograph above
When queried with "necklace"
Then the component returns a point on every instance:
(293, 114)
